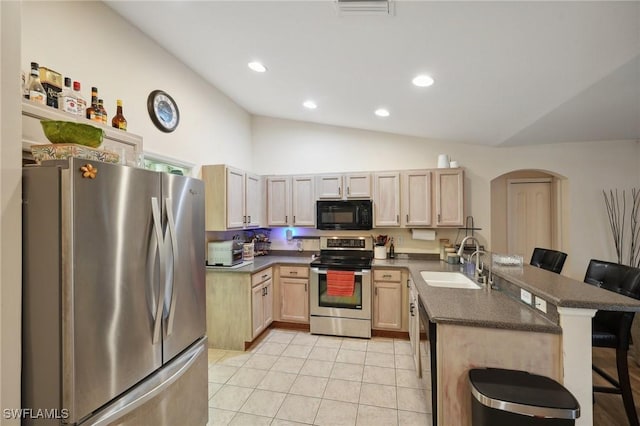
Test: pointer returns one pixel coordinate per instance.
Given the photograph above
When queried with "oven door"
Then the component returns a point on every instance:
(356, 306)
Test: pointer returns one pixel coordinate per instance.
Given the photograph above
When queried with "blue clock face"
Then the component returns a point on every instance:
(163, 110)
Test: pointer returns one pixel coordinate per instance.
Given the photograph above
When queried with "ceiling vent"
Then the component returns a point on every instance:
(365, 7)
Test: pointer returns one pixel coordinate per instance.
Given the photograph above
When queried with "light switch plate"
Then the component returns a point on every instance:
(525, 296)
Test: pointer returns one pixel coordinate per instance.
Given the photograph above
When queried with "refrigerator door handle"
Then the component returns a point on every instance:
(147, 391)
(157, 225)
(171, 225)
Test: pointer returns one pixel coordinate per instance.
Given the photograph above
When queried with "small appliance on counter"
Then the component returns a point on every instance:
(224, 253)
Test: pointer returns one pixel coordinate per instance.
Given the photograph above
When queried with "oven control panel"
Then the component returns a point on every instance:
(348, 243)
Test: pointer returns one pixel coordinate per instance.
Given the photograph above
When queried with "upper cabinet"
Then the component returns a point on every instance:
(386, 199)
(416, 198)
(233, 198)
(449, 197)
(291, 201)
(343, 186)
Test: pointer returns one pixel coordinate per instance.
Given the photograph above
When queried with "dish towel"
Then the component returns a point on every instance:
(340, 283)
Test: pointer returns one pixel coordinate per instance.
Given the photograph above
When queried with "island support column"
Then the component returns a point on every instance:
(576, 359)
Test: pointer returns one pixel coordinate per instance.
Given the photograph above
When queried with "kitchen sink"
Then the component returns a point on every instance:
(448, 279)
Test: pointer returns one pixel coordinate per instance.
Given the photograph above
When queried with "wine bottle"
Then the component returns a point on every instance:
(118, 121)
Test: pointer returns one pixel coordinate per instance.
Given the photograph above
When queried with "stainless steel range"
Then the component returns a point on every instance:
(340, 299)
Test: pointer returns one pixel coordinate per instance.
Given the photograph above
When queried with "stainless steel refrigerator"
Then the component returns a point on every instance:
(113, 296)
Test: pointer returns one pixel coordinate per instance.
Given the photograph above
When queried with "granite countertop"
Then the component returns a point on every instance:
(263, 262)
(476, 308)
(566, 292)
(482, 308)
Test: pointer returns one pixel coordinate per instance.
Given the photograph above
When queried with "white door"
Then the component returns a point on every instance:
(303, 205)
(253, 201)
(528, 216)
(235, 198)
(386, 199)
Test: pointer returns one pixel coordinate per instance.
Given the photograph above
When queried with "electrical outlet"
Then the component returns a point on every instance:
(400, 240)
(541, 304)
(525, 296)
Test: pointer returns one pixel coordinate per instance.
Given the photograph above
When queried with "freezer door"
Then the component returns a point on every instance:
(184, 319)
(114, 292)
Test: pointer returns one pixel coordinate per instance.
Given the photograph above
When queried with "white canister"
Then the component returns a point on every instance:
(443, 161)
(380, 252)
(454, 164)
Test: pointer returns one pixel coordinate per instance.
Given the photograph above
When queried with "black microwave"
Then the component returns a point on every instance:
(344, 214)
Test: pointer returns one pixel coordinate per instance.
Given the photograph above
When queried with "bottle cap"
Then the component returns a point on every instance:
(94, 89)
(76, 85)
(34, 65)
(67, 82)
(119, 102)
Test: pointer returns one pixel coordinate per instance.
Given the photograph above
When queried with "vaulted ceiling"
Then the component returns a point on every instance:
(506, 73)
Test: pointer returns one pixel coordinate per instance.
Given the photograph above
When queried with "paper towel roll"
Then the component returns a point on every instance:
(423, 234)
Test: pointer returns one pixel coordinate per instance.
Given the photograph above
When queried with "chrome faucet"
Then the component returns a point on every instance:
(478, 267)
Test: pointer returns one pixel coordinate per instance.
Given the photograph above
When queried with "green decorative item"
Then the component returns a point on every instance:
(617, 214)
(69, 132)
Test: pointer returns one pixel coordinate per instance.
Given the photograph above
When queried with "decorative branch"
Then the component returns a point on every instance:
(617, 215)
(634, 252)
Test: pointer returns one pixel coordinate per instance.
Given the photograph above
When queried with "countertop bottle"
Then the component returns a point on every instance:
(118, 121)
(392, 250)
(37, 93)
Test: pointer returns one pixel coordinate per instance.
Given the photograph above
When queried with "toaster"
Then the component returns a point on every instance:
(224, 253)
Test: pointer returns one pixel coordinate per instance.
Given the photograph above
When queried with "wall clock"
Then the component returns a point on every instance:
(163, 111)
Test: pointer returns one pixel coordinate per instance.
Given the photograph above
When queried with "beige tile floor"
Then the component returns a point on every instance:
(294, 378)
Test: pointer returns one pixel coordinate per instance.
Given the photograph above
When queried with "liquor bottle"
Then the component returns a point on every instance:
(93, 112)
(82, 104)
(67, 100)
(118, 121)
(103, 112)
(392, 250)
(37, 93)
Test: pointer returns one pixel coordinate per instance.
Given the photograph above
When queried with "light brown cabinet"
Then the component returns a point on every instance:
(291, 201)
(416, 198)
(294, 294)
(386, 199)
(449, 197)
(233, 198)
(344, 186)
(261, 301)
(389, 300)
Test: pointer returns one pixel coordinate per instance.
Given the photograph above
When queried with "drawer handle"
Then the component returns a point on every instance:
(386, 276)
(294, 272)
(265, 276)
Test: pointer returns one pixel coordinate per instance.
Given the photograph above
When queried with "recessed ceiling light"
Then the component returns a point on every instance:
(381, 112)
(422, 80)
(257, 66)
(310, 104)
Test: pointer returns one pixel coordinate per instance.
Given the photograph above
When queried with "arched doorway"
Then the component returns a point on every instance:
(527, 211)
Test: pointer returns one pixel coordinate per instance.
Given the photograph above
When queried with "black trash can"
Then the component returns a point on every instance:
(502, 397)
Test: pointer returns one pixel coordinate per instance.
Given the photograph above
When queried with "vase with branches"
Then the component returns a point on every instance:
(617, 211)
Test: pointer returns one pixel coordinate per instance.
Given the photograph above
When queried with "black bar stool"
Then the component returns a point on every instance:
(613, 329)
(551, 260)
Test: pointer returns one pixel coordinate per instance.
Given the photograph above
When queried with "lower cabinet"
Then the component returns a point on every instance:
(261, 301)
(294, 294)
(239, 307)
(389, 300)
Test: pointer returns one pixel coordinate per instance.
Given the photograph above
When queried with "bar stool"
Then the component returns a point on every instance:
(613, 329)
(551, 260)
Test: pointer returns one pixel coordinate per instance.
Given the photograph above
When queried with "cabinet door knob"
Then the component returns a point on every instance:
(249, 221)
(348, 191)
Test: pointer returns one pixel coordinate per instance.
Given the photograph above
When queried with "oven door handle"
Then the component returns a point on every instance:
(357, 273)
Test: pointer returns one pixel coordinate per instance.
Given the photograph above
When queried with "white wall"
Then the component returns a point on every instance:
(283, 146)
(89, 42)
(10, 216)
